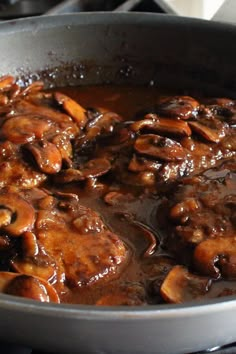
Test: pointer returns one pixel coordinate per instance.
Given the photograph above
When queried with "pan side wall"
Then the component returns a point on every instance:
(121, 48)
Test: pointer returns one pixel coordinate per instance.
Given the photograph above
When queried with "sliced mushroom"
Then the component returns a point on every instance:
(23, 129)
(162, 125)
(27, 286)
(143, 124)
(93, 168)
(30, 245)
(139, 164)
(216, 257)
(23, 214)
(160, 147)
(34, 259)
(41, 265)
(182, 107)
(96, 167)
(33, 88)
(6, 82)
(14, 91)
(46, 155)
(69, 175)
(181, 286)
(63, 143)
(103, 124)
(222, 102)
(3, 100)
(212, 130)
(62, 120)
(73, 108)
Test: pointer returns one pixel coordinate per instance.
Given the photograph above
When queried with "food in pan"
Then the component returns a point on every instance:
(116, 195)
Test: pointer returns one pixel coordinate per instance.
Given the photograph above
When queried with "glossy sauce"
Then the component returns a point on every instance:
(176, 153)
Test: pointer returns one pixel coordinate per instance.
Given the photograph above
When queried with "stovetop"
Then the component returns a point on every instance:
(10, 9)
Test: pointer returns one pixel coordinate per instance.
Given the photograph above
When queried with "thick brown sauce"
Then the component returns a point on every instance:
(127, 101)
(139, 279)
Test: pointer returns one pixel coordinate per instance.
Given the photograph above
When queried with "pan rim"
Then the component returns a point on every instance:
(111, 18)
(114, 313)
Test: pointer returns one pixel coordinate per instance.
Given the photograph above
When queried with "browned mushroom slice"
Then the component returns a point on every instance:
(143, 124)
(139, 164)
(216, 257)
(23, 129)
(181, 286)
(182, 107)
(162, 125)
(103, 124)
(46, 155)
(140, 179)
(27, 286)
(14, 91)
(93, 168)
(175, 127)
(63, 143)
(222, 101)
(73, 108)
(213, 134)
(160, 147)
(96, 167)
(3, 100)
(23, 214)
(33, 88)
(40, 265)
(69, 175)
(6, 82)
(63, 120)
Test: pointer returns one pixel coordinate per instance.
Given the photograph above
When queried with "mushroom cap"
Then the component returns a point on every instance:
(23, 213)
(27, 286)
(160, 147)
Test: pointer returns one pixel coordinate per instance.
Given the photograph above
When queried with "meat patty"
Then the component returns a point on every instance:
(83, 248)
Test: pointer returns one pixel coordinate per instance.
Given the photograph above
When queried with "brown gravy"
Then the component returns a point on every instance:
(141, 198)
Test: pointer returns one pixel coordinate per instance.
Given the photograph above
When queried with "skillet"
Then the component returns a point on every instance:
(99, 48)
